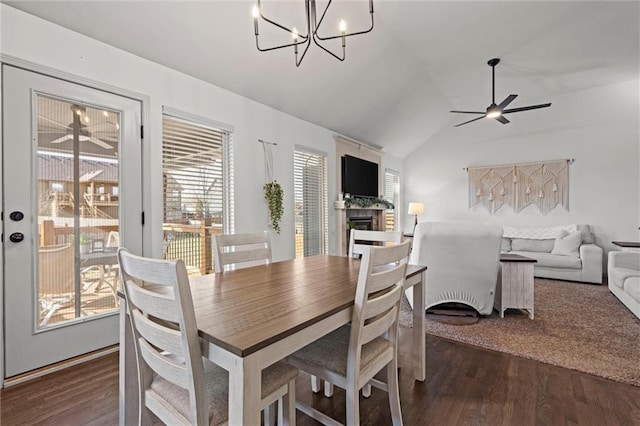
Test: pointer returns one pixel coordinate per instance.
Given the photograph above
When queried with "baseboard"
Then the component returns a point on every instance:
(52, 368)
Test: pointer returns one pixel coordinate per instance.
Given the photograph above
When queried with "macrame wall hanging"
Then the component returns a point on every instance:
(544, 184)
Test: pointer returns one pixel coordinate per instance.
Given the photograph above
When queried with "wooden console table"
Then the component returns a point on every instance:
(515, 284)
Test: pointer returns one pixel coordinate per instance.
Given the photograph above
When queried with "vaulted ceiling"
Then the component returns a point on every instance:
(397, 84)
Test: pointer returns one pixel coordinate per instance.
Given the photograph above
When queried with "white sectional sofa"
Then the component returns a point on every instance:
(561, 252)
(624, 278)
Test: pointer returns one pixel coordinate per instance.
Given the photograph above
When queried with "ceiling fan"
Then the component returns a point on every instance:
(85, 131)
(497, 111)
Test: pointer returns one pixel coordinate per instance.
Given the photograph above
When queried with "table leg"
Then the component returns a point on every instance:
(419, 341)
(244, 391)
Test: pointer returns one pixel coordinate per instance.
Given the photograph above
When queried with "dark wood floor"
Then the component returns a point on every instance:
(465, 386)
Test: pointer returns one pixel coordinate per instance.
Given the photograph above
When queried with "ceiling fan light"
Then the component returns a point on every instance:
(494, 113)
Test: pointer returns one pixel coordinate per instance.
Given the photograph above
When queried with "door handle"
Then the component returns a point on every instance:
(16, 237)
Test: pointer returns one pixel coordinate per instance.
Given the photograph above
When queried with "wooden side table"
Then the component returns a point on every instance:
(627, 245)
(515, 284)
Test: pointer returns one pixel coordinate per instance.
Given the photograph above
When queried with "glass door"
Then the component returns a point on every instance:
(68, 206)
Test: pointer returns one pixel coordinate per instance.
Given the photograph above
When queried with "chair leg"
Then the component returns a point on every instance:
(366, 390)
(287, 406)
(316, 382)
(328, 389)
(352, 395)
(394, 392)
(269, 413)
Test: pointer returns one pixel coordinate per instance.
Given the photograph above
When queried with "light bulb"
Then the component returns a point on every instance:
(294, 33)
(255, 12)
(117, 126)
(343, 25)
(105, 113)
(494, 113)
(86, 118)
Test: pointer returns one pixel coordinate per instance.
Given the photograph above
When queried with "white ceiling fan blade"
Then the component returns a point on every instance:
(82, 138)
(99, 143)
(62, 139)
(57, 123)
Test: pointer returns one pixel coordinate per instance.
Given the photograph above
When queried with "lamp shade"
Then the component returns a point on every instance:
(416, 208)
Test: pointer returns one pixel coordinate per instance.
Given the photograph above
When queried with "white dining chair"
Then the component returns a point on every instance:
(384, 237)
(352, 355)
(177, 384)
(233, 250)
(356, 250)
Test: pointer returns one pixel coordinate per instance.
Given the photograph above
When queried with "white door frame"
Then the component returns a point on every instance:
(72, 78)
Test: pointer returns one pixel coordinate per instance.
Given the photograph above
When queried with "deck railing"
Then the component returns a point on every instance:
(192, 243)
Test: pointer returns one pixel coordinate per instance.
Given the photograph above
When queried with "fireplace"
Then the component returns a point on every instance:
(364, 223)
(361, 223)
(367, 219)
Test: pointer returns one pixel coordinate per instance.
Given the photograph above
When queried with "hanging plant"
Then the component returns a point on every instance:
(273, 194)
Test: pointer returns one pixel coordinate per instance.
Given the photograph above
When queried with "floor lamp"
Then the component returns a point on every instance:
(416, 209)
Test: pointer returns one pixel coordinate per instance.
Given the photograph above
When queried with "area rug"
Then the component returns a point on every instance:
(577, 326)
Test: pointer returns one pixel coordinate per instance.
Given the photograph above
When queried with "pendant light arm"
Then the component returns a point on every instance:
(282, 27)
(330, 52)
(316, 27)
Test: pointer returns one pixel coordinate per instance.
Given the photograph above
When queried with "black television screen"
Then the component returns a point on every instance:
(359, 177)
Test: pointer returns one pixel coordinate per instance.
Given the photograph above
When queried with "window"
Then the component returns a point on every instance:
(197, 171)
(310, 210)
(392, 193)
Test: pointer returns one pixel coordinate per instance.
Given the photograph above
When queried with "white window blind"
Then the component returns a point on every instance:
(392, 193)
(310, 210)
(197, 169)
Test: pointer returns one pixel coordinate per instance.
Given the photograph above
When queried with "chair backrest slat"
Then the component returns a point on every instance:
(158, 335)
(234, 257)
(380, 280)
(159, 305)
(394, 237)
(234, 249)
(378, 327)
(164, 366)
(380, 304)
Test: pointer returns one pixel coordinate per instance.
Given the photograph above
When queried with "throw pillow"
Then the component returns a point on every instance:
(567, 244)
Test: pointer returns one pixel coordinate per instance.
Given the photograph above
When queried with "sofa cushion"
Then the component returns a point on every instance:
(506, 244)
(619, 275)
(632, 287)
(567, 244)
(524, 244)
(548, 260)
(549, 232)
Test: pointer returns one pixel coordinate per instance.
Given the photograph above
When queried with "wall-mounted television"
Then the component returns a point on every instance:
(359, 177)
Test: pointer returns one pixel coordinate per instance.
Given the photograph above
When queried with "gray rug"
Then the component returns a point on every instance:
(577, 326)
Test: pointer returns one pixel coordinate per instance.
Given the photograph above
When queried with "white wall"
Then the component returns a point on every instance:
(598, 127)
(29, 38)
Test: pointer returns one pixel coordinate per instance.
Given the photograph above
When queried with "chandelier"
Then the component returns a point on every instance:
(303, 41)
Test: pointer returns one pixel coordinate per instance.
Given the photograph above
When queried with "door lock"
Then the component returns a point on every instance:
(16, 237)
(16, 216)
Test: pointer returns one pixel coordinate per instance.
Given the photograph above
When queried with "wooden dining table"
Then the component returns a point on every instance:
(251, 318)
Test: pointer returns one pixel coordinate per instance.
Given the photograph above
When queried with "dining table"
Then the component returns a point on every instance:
(250, 318)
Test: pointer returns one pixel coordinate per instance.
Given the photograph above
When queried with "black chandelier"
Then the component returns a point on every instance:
(313, 25)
